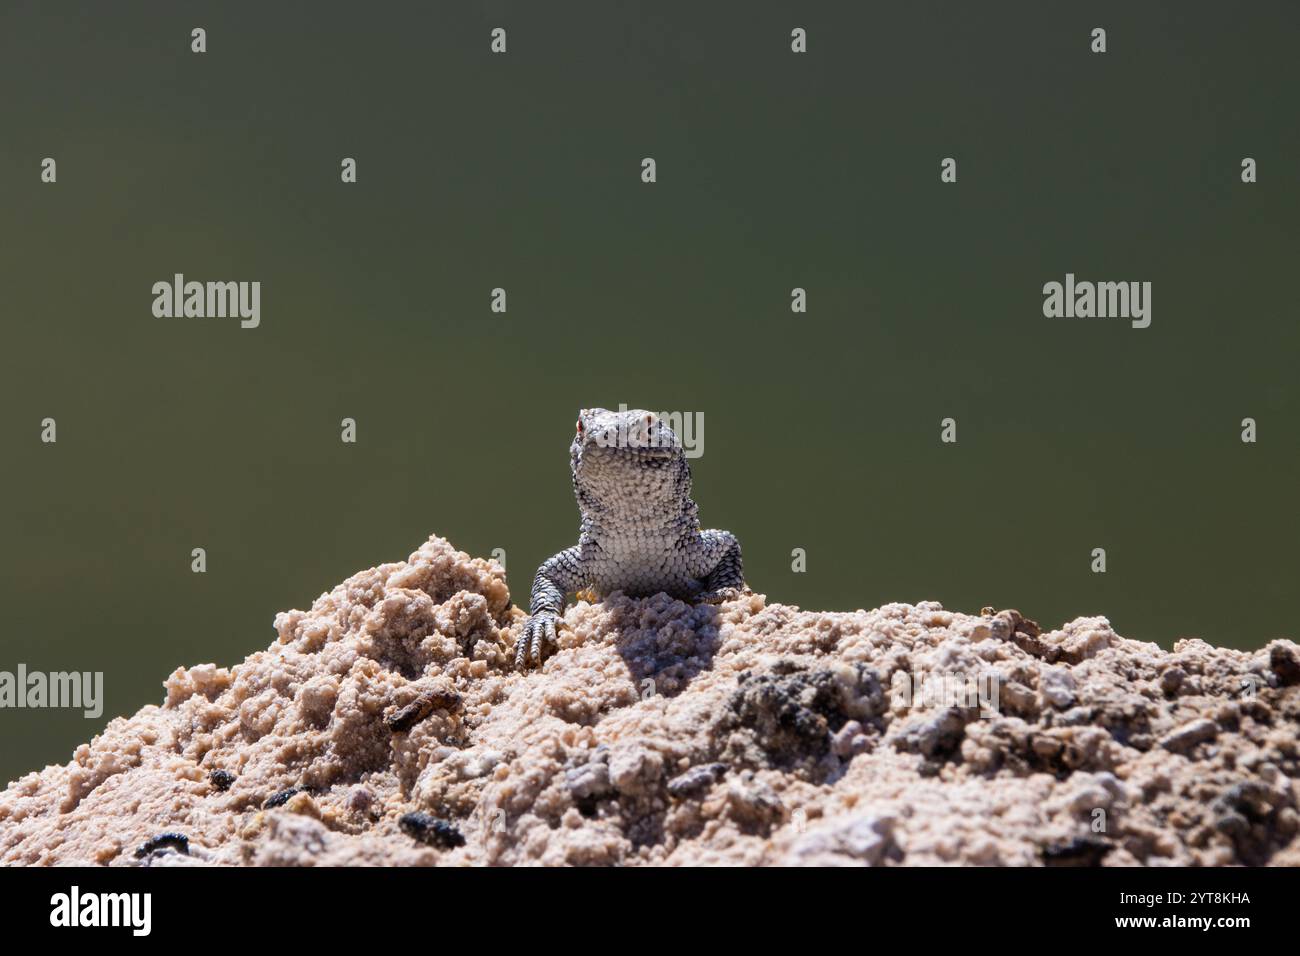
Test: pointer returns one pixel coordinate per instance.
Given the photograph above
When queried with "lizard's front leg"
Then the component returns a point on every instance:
(718, 565)
(557, 576)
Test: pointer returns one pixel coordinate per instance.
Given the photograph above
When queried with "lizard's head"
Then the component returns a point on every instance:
(627, 460)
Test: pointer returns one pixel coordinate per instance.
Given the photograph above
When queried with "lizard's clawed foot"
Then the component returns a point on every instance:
(538, 630)
(718, 596)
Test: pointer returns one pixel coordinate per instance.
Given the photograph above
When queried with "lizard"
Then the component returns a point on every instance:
(640, 529)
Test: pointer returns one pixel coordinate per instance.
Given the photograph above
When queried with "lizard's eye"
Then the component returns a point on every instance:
(649, 420)
(579, 426)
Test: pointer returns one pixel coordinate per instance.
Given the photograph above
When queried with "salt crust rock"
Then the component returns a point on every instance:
(387, 725)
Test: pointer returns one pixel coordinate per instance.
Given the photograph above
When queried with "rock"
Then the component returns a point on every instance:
(1284, 661)
(788, 714)
(850, 741)
(1057, 687)
(1172, 679)
(695, 781)
(635, 770)
(936, 734)
(753, 804)
(854, 841)
(1189, 735)
(387, 725)
(360, 800)
(591, 779)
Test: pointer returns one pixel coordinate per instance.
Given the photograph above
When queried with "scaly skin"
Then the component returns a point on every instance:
(640, 531)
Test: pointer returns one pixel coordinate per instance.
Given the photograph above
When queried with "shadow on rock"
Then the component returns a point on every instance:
(665, 645)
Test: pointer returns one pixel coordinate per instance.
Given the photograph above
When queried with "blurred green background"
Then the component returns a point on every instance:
(522, 171)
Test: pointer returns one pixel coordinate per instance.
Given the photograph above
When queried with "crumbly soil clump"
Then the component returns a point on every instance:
(388, 725)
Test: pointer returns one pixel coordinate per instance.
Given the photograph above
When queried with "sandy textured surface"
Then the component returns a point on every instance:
(387, 725)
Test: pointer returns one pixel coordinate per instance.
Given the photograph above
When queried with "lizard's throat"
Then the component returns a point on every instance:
(643, 508)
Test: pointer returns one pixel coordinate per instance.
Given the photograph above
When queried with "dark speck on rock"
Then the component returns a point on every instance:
(1081, 851)
(281, 798)
(164, 841)
(407, 717)
(696, 780)
(431, 831)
